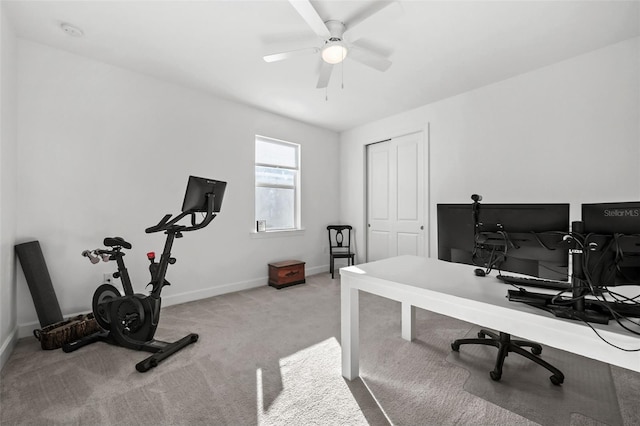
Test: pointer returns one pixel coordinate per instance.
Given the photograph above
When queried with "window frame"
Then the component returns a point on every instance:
(297, 190)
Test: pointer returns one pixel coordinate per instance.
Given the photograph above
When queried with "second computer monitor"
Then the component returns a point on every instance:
(612, 238)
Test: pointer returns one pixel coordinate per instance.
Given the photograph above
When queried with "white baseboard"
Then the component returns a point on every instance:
(25, 330)
(205, 293)
(228, 288)
(7, 347)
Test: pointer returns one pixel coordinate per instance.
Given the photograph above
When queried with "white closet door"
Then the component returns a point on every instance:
(395, 197)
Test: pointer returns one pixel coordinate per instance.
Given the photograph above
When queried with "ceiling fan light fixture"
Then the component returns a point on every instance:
(334, 52)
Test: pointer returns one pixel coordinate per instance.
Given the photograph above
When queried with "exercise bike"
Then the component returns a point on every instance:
(131, 320)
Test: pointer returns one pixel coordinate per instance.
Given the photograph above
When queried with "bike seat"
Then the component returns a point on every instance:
(116, 242)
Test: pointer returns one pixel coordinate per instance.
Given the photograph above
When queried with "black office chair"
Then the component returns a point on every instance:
(505, 345)
(338, 248)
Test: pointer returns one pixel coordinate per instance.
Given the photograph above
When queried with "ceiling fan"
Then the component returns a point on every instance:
(339, 37)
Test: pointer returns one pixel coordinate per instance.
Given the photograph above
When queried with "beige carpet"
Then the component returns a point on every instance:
(272, 357)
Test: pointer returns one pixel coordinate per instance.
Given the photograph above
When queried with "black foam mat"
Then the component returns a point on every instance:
(39, 281)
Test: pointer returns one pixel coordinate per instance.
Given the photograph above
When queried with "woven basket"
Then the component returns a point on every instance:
(55, 335)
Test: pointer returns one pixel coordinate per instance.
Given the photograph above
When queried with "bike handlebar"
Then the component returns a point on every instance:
(172, 225)
(160, 226)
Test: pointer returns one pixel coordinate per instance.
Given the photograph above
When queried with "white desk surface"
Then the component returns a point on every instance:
(454, 290)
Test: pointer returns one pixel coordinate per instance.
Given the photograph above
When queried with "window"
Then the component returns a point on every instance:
(277, 184)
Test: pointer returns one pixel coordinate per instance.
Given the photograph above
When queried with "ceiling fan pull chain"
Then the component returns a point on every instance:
(342, 70)
(326, 93)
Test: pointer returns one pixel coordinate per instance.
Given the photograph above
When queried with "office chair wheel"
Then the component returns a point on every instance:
(481, 335)
(495, 376)
(556, 380)
(536, 351)
(455, 346)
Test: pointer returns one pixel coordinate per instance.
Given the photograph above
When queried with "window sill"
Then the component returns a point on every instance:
(277, 234)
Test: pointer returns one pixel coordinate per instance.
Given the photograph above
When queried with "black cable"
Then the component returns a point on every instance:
(535, 235)
(603, 289)
(622, 298)
(598, 290)
(608, 342)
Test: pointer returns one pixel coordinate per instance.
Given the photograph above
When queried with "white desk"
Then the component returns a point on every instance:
(453, 290)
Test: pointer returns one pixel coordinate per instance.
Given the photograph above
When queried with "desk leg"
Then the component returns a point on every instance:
(349, 330)
(408, 321)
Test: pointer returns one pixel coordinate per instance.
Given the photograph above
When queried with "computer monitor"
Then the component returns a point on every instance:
(519, 238)
(612, 241)
(195, 197)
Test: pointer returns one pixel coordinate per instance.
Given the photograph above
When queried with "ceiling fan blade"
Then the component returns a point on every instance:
(325, 75)
(361, 26)
(369, 58)
(311, 17)
(290, 54)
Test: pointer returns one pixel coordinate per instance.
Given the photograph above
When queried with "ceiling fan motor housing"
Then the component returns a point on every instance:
(336, 28)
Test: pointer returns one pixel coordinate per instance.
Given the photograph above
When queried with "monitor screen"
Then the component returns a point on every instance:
(519, 238)
(195, 197)
(612, 232)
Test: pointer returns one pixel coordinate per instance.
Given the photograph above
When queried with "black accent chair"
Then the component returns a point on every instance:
(505, 345)
(338, 247)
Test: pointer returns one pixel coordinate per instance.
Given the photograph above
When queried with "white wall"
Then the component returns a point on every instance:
(105, 152)
(8, 144)
(568, 132)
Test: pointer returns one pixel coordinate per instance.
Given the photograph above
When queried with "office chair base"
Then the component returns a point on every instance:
(505, 345)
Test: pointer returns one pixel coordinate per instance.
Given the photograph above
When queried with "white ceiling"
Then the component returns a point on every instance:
(438, 48)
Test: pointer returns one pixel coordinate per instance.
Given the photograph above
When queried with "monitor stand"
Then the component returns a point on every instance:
(576, 308)
(590, 312)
